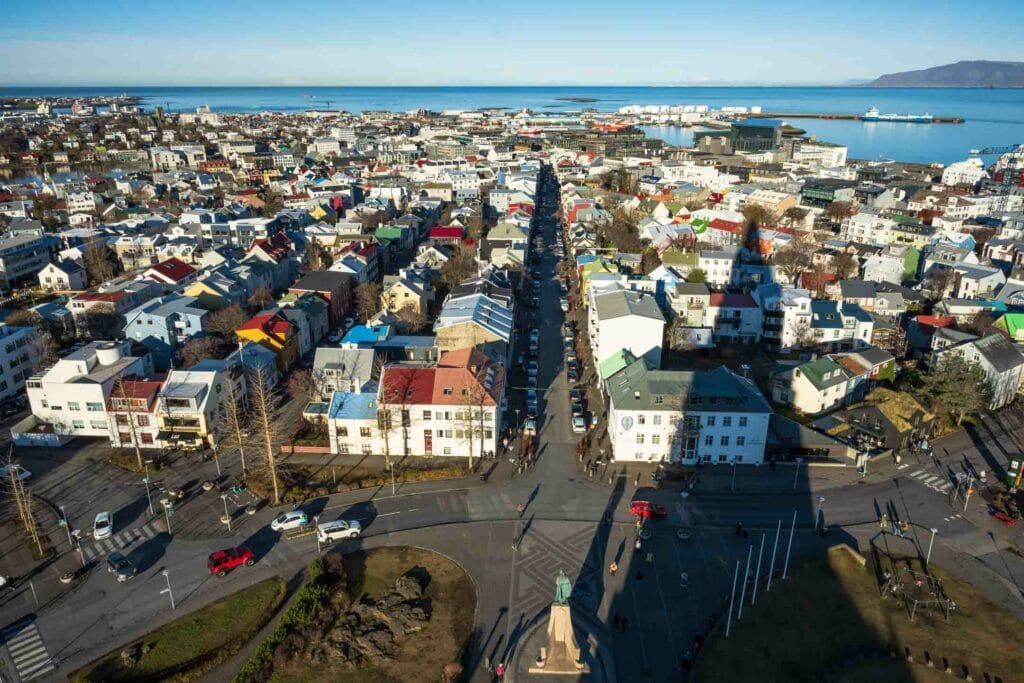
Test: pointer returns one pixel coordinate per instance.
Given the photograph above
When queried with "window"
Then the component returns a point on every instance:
(656, 439)
(146, 438)
(73, 405)
(723, 458)
(709, 440)
(488, 434)
(447, 450)
(77, 424)
(639, 438)
(342, 431)
(94, 407)
(97, 424)
(743, 422)
(367, 450)
(657, 419)
(460, 434)
(724, 441)
(426, 415)
(711, 420)
(343, 448)
(364, 432)
(659, 399)
(741, 441)
(143, 420)
(641, 419)
(447, 391)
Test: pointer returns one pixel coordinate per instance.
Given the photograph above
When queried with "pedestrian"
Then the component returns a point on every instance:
(499, 671)
(684, 580)
(638, 545)
(613, 567)
(520, 509)
(884, 523)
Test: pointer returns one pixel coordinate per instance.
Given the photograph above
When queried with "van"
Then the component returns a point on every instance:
(329, 532)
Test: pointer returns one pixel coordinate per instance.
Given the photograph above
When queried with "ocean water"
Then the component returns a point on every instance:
(994, 117)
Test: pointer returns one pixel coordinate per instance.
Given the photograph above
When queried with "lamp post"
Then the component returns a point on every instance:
(149, 497)
(819, 516)
(170, 594)
(797, 473)
(67, 527)
(167, 505)
(517, 420)
(732, 487)
(928, 556)
(316, 525)
(226, 518)
(789, 547)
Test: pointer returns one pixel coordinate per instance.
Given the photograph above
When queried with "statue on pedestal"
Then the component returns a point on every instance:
(562, 654)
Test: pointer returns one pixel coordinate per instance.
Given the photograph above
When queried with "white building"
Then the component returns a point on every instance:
(786, 315)
(72, 396)
(625, 320)
(685, 417)
(968, 172)
(65, 275)
(325, 146)
(18, 358)
(81, 202)
(867, 228)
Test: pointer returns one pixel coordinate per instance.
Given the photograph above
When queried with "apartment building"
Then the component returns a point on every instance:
(18, 359)
(23, 255)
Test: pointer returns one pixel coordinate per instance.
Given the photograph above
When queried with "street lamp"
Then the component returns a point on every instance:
(517, 420)
(149, 497)
(67, 527)
(797, 473)
(167, 505)
(167, 577)
(732, 487)
(316, 524)
(818, 516)
(226, 518)
(928, 556)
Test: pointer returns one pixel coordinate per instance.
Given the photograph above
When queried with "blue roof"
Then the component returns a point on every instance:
(348, 406)
(362, 334)
(424, 341)
(855, 311)
(764, 123)
(825, 315)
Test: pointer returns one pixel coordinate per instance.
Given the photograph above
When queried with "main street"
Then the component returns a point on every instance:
(571, 523)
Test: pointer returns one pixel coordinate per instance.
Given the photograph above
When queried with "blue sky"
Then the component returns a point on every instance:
(478, 42)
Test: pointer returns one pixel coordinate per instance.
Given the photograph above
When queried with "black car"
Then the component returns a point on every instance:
(572, 374)
(120, 566)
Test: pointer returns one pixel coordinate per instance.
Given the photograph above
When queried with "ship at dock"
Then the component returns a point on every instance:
(873, 115)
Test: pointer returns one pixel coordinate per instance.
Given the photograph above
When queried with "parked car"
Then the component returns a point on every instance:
(645, 509)
(564, 304)
(120, 566)
(103, 526)
(294, 519)
(578, 424)
(531, 382)
(534, 335)
(530, 426)
(329, 532)
(572, 374)
(223, 561)
(17, 470)
(532, 368)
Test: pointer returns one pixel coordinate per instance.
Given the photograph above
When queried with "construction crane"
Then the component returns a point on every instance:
(1006, 185)
(1005, 149)
(312, 102)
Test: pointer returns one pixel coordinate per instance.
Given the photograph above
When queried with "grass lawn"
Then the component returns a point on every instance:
(828, 612)
(192, 644)
(423, 654)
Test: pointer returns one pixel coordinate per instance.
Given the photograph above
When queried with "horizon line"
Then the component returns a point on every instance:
(720, 84)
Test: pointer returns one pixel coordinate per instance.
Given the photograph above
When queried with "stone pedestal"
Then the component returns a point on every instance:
(562, 654)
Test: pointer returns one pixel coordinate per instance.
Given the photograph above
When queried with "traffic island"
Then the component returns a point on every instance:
(838, 617)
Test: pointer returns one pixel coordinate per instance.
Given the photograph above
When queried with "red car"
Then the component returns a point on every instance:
(223, 561)
(645, 509)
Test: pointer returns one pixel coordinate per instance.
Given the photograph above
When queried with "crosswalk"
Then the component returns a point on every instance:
(98, 549)
(932, 481)
(25, 645)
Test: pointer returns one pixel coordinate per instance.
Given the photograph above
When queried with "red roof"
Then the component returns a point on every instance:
(446, 232)
(727, 226)
(936, 320)
(277, 246)
(443, 385)
(272, 324)
(146, 388)
(173, 269)
(812, 280)
(733, 300)
(108, 297)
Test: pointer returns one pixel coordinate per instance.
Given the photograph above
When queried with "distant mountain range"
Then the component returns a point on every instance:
(974, 74)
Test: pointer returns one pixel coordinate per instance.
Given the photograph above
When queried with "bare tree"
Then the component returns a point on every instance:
(233, 425)
(413, 319)
(459, 267)
(261, 298)
(121, 400)
(303, 385)
(317, 257)
(837, 211)
(99, 261)
(794, 214)
(225, 321)
(23, 503)
(268, 433)
(200, 348)
(367, 300)
(794, 259)
(939, 281)
(846, 265)
(46, 348)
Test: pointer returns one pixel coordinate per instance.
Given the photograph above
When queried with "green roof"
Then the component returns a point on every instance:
(391, 232)
(817, 370)
(900, 219)
(1013, 323)
(679, 258)
(615, 362)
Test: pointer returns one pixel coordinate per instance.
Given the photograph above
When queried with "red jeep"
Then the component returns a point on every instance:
(222, 561)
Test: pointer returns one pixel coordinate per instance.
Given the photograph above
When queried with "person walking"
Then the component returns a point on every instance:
(499, 671)
(613, 567)
(520, 509)
(684, 580)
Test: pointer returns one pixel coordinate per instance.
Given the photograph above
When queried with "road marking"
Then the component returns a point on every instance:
(903, 466)
(108, 544)
(385, 514)
(412, 509)
(88, 552)
(148, 531)
(25, 645)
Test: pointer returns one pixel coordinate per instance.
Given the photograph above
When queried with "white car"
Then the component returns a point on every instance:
(579, 425)
(328, 532)
(103, 526)
(14, 468)
(289, 520)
